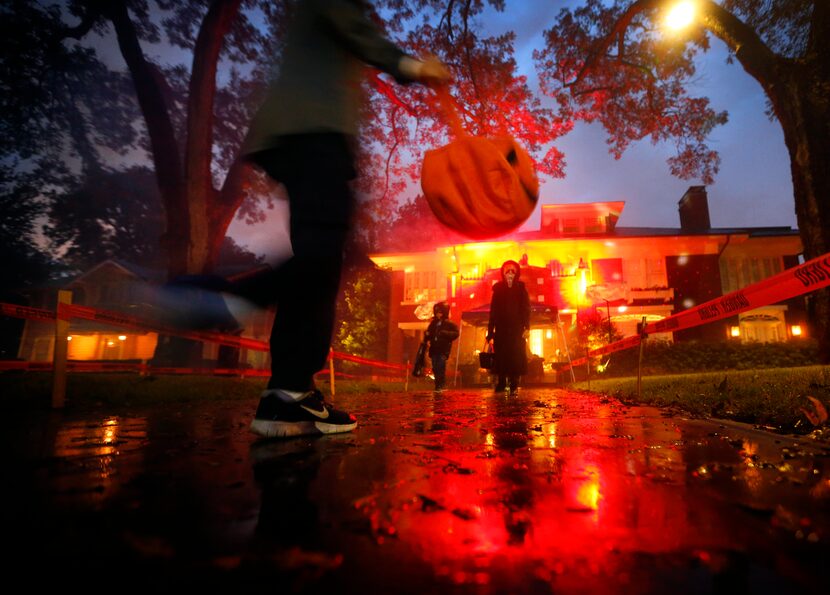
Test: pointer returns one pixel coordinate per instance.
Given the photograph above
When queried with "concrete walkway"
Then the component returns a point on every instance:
(467, 492)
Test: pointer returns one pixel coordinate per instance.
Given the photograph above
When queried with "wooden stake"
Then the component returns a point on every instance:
(331, 370)
(640, 358)
(60, 353)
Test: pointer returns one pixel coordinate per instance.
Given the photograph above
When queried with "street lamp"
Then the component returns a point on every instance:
(680, 15)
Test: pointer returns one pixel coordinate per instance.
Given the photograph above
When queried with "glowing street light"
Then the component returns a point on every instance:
(680, 15)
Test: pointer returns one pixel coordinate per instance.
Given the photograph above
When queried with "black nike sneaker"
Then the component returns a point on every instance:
(311, 415)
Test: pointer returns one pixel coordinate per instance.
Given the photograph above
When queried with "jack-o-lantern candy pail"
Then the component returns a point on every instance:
(480, 187)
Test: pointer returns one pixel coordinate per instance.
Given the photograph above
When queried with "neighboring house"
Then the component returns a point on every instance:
(580, 259)
(123, 287)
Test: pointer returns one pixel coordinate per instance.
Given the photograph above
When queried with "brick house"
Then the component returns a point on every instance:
(580, 258)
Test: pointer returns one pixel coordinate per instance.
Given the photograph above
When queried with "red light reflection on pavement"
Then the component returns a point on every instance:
(478, 485)
(92, 450)
(553, 491)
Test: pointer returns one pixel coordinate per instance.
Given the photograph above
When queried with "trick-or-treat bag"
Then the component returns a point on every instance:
(420, 360)
(479, 187)
(486, 357)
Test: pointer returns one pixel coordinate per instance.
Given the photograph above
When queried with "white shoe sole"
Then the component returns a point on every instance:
(285, 429)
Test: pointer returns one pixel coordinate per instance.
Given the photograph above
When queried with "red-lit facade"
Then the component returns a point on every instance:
(580, 260)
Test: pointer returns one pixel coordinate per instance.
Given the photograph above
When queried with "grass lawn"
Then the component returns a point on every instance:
(772, 398)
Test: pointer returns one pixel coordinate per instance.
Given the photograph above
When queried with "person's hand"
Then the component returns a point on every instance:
(433, 72)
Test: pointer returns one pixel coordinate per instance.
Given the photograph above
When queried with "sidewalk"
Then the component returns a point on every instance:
(467, 492)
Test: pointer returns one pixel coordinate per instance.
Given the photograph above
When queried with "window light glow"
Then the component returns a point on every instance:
(535, 342)
(796, 330)
(735, 331)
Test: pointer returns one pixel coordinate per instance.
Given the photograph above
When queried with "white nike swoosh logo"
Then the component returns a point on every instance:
(321, 414)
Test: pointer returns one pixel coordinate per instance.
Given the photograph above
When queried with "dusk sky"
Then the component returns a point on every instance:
(753, 187)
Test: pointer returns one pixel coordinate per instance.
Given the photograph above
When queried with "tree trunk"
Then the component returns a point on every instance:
(225, 207)
(164, 148)
(201, 196)
(799, 90)
(197, 214)
(801, 105)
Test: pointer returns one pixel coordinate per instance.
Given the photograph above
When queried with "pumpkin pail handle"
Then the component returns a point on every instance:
(449, 109)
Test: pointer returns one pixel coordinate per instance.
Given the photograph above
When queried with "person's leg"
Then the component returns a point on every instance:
(498, 362)
(439, 369)
(501, 384)
(315, 170)
(514, 385)
(259, 286)
(190, 302)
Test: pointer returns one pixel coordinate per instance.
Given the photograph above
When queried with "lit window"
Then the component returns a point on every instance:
(570, 226)
(796, 330)
(735, 331)
(594, 225)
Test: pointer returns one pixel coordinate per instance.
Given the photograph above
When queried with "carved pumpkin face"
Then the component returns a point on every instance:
(480, 187)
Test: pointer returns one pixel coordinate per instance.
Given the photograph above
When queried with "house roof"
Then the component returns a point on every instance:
(156, 276)
(640, 232)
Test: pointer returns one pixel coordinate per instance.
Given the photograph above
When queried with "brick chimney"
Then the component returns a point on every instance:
(694, 209)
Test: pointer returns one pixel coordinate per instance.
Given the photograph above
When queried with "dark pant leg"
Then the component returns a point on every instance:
(439, 369)
(315, 170)
(259, 287)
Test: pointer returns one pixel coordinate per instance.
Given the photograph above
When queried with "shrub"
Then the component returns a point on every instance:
(660, 357)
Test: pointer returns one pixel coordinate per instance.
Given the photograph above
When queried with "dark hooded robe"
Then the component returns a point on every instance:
(509, 318)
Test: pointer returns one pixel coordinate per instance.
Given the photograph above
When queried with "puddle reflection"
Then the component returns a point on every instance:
(540, 487)
(85, 456)
(466, 489)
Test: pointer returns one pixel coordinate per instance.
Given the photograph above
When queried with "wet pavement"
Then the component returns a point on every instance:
(467, 492)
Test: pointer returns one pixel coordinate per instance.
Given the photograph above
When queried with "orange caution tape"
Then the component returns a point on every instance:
(806, 278)
(800, 280)
(369, 362)
(69, 311)
(26, 312)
